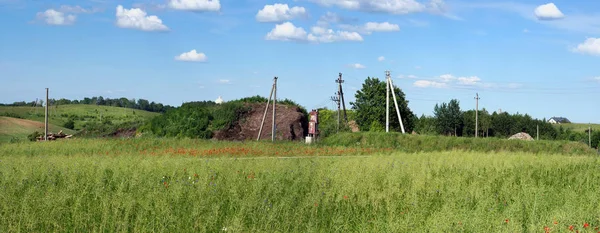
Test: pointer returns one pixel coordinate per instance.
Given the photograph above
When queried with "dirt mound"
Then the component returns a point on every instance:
(521, 136)
(124, 133)
(291, 124)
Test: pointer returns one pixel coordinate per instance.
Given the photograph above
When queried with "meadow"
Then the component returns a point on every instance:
(169, 185)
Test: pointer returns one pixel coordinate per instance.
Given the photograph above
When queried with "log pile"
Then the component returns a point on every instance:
(53, 136)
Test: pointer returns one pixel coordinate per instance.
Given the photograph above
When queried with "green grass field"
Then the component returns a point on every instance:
(60, 114)
(18, 129)
(579, 127)
(166, 185)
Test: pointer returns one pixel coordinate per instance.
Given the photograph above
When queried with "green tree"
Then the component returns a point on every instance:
(370, 106)
(449, 118)
(426, 125)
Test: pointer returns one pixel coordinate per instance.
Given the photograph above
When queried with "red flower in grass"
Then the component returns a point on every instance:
(346, 197)
(506, 221)
(546, 229)
(586, 225)
(571, 227)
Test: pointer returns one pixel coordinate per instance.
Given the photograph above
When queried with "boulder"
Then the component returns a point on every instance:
(521, 136)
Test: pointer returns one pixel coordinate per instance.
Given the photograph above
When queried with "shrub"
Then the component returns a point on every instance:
(33, 136)
(70, 124)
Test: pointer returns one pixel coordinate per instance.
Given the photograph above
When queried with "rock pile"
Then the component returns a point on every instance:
(521, 136)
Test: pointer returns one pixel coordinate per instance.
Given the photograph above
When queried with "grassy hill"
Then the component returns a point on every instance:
(14, 128)
(22, 121)
(579, 127)
(81, 113)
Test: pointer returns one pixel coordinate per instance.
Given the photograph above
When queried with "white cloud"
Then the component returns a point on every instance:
(548, 12)
(357, 66)
(54, 17)
(426, 83)
(371, 27)
(195, 5)
(192, 55)
(417, 67)
(382, 58)
(224, 81)
(590, 46)
(288, 32)
(77, 9)
(279, 12)
(468, 80)
(410, 76)
(324, 35)
(136, 18)
(447, 78)
(382, 6)
(597, 79)
(331, 17)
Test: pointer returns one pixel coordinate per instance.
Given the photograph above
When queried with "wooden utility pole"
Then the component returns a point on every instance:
(537, 137)
(46, 118)
(336, 99)
(387, 102)
(590, 135)
(274, 107)
(274, 95)
(390, 85)
(476, 114)
(341, 95)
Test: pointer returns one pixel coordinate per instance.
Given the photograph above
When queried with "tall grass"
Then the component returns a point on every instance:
(399, 192)
(423, 143)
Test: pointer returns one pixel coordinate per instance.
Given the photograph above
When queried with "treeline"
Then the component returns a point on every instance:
(450, 120)
(141, 104)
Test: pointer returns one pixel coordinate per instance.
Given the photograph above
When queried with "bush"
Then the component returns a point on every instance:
(33, 136)
(70, 124)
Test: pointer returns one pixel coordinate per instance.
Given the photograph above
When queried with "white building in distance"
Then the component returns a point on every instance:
(219, 100)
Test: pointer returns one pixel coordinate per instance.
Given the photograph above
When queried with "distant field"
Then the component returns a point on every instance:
(168, 185)
(60, 114)
(19, 128)
(578, 127)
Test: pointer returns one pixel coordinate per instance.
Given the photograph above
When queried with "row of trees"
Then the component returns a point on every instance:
(448, 118)
(141, 104)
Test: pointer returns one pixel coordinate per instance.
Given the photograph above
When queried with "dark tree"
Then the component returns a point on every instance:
(370, 107)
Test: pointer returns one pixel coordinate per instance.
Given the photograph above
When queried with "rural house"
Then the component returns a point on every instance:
(558, 120)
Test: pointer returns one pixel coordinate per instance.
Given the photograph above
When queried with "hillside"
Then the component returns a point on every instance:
(578, 127)
(80, 113)
(19, 128)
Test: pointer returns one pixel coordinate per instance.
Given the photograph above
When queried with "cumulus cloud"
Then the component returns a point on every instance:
(136, 18)
(371, 27)
(381, 58)
(195, 5)
(331, 17)
(289, 32)
(357, 66)
(448, 81)
(192, 56)
(548, 12)
(427, 83)
(468, 80)
(53, 17)
(381, 6)
(590, 46)
(279, 12)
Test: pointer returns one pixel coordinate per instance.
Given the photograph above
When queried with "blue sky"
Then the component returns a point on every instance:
(534, 57)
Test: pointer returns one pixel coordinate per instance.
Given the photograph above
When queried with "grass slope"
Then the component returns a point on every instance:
(579, 127)
(56, 186)
(19, 128)
(424, 143)
(83, 113)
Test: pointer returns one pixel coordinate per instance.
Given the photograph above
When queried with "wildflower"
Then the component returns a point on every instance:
(346, 197)
(316, 204)
(555, 222)
(506, 221)
(586, 225)
(571, 228)
(546, 229)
